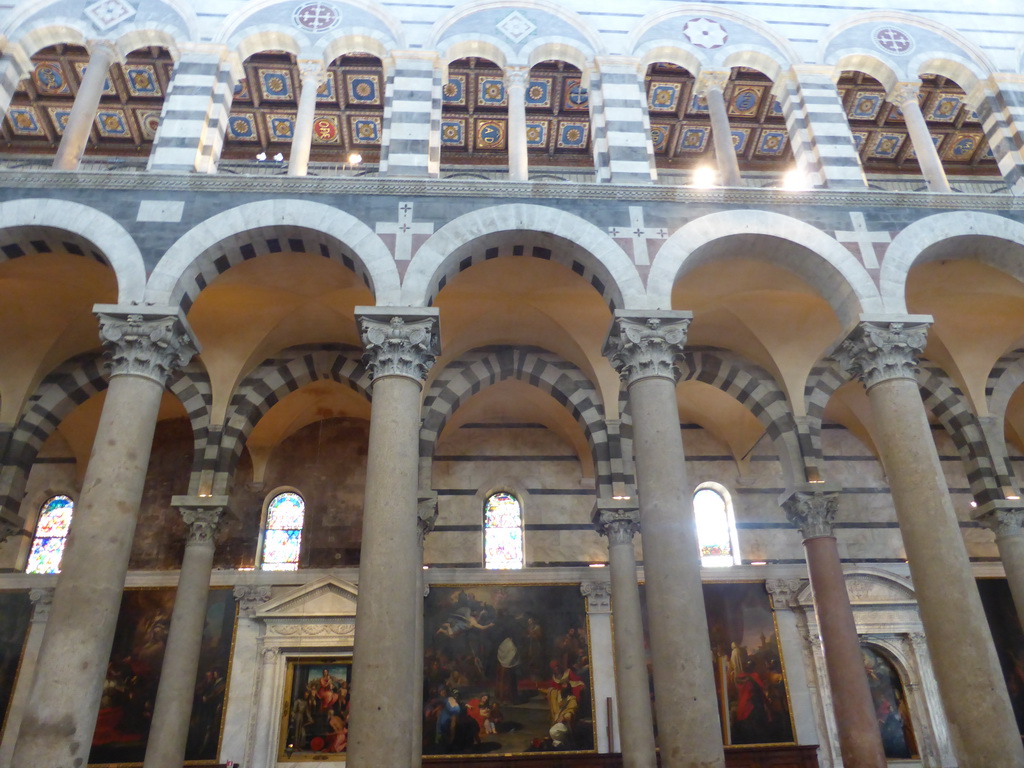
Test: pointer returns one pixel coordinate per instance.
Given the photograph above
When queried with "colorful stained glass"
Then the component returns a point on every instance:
(503, 532)
(282, 539)
(714, 533)
(51, 534)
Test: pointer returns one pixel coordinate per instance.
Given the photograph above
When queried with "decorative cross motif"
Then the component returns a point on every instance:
(403, 230)
(863, 239)
(317, 17)
(108, 13)
(893, 40)
(639, 234)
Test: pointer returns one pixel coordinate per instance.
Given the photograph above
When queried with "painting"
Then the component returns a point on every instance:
(506, 671)
(750, 681)
(16, 608)
(133, 674)
(1008, 637)
(890, 703)
(314, 720)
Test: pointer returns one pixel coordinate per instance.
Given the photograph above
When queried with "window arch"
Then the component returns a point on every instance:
(51, 535)
(282, 532)
(503, 532)
(716, 526)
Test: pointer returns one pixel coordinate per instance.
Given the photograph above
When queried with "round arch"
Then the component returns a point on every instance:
(840, 278)
(174, 280)
(599, 259)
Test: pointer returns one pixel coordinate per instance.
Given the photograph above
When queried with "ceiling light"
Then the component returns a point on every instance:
(355, 158)
(704, 177)
(794, 181)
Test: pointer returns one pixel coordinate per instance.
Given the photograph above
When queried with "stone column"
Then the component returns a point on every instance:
(401, 345)
(313, 76)
(882, 352)
(102, 54)
(904, 96)
(168, 732)
(647, 349)
(144, 344)
(516, 79)
(1005, 518)
(813, 511)
(783, 593)
(619, 521)
(426, 518)
(711, 85)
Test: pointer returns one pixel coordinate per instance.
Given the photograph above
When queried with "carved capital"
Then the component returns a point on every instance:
(618, 520)
(711, 80)
(202, 515)
(517, 77)
(878, 351)
(1004, 517)
(104, 50)
(813, 512)
(271, 654)
(314, 70)
(41, 599)
(599, 596)
(145, 343)
(642, 346)
(397, 343)
(783, 592)
(426, 515)
(9, 526)
(250, 598)
(902, 93)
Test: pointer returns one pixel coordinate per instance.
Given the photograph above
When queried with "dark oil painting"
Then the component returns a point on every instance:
(506, 670)
(315, 713)
(133, 674)
(750, 681)
(16, 610)
(890, 702)
(1008, 637)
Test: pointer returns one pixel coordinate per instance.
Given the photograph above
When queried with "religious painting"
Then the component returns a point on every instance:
(890, 702)
(506, 671)
(16, 610)
(314, 720)
(133, 675)
(750, 680)
(1008, 637)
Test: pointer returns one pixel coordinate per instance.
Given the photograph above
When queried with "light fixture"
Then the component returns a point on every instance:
(278, 158)
(261, 157)
(794, 181)
(1013, 497)
(759, 562)
(704, 177)
(426, 567)
(974, 505)
(355, 158)
(597, 565)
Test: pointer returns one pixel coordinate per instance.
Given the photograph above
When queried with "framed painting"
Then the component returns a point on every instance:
(1008, 638)
(506, 670)
(133, 675)
(314, 720)
(750, 678)
(889, 700)
(16, 610)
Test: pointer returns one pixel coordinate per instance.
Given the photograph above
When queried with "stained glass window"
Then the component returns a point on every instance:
(503, 532)
(716, 534)
(282, 536)
(51, 535)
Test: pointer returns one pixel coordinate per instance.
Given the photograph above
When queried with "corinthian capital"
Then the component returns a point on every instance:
(517, 76)
(901, 93)
(783, 592)
(202, 515)
(711, 80)
(313, 69)
(877, 351)
(642, 345)
(618, 520)
(813, 511)
(145, 341)
(399, 342)
(1004, 517)
(426, 514)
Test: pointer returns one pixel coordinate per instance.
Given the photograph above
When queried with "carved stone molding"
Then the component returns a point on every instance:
(41, 599)
(398, 345)
(311, 629)
(813, 512)
(145, 343)
(644, 345)
(599, 596)
(783, 592)
(878, 351)
(250, 598)
(270, 654)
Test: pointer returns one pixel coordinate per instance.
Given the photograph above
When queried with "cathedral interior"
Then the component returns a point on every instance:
(511, 382)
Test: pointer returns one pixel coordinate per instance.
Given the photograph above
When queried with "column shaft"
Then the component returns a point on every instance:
(721, 133)
(970, 680)
(1011, 551)
(859, 737)
(83, 112)
(636, 726)
(518, 162)
(302, 136)
(905, 97)
(411, 139)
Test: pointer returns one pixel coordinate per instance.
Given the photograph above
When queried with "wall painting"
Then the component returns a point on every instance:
(1008, 637)
(16, 610)
(314, 723)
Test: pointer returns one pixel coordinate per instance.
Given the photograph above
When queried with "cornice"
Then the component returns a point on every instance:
(533, 190)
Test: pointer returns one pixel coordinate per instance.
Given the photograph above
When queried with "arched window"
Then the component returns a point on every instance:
(716, 528)
(51, 535)
(503, 531)
(282, 534)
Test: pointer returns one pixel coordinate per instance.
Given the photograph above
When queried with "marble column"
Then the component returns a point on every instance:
(401, 345)
(619, 521)
(860, 740)
(711, 85)
(647, 349)
(313, 76)
(1005, 518)
(102, 54)
(144, 344)
(426, 518)
(168, 732)
(882, 352)
(904, 96)
(516, 79)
